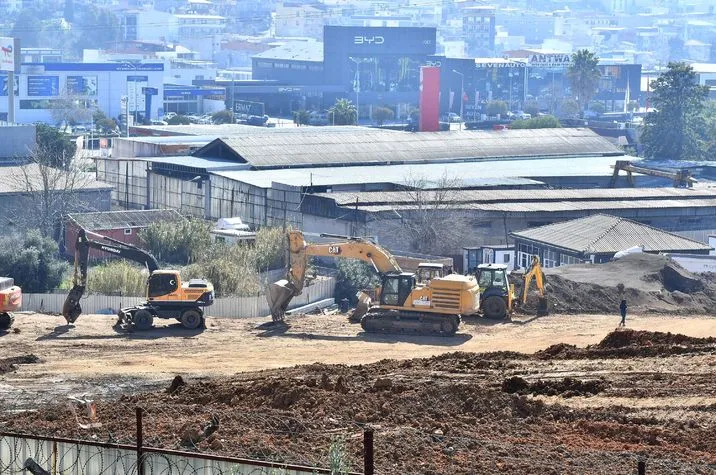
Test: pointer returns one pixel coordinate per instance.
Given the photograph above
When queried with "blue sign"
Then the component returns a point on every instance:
(141, 67)
(192, 91)
(83, 85)
(3, 92)
(43, 86)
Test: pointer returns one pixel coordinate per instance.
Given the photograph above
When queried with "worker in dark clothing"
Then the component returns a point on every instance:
(623, 310)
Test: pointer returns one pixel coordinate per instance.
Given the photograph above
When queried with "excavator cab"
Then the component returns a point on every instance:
(427, 271)
(396, 288)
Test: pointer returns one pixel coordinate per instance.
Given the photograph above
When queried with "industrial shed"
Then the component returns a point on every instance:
(596, 239)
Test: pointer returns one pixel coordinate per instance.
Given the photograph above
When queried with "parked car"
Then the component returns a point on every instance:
(453, 117)
(257, 120)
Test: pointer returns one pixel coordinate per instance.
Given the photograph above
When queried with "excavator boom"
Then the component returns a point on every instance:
(535, 272)
(280, 293)
(71, 309)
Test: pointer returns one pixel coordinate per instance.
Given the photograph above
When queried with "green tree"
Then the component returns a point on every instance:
(301, 117)
(177, 242)
(496, 107)
(32, 261)
(223, 117)
(632, 106)
(532, 108)
(57, 148)
(675, 129)
(382, 114)
(343, 112)
(584, 75)
(541, 122)
(709, 116)
(179, 120)
(105, 28)
(569, 109)
(103, 123)
(597, 107)
(353, 276)
(28, 28)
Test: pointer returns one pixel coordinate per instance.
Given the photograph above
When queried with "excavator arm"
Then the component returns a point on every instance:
(280, 293)
(535, 272)
(71, 309)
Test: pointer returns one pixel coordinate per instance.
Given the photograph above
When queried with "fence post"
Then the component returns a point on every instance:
(641, 467)
(140, 443)
(368, 464)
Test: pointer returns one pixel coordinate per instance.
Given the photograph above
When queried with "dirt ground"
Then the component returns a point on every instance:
(558, 394)
(565, 393)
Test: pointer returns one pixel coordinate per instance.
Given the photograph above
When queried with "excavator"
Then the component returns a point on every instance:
(10, 301)
(434, 306)
(497, 294)
(167, 296)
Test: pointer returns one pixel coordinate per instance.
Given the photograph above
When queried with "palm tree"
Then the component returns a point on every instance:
(343, 112)
(584, 76)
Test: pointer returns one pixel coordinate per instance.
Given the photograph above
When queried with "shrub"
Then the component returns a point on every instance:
(174, 242)
(118, 277)
(541, 122)
(496, 107)
(32, 261)
(353, 276)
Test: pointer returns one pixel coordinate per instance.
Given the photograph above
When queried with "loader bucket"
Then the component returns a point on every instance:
(362, 307)
(279, 295)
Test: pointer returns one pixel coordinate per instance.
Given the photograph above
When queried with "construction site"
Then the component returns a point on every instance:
(571, 391)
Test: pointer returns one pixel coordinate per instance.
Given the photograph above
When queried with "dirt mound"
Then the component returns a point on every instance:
(8, 364)
(631, 344)
(624, 338)
(649, 283)
(567, 387)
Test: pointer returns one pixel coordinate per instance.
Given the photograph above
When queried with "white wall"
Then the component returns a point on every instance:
(696, 263)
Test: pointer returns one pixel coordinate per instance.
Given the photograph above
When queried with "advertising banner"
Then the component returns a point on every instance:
(9, 54)
(43, 86)
(3, 92)
(82, 85)
(429, 99)
(249, 108)
(558, 60)
(135, 98)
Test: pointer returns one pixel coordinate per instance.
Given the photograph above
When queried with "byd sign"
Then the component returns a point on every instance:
(368, 40)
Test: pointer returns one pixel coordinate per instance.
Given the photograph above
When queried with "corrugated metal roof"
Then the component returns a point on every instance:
(524, 197)
(326, 146)
(209, 164)
(124, 219)
(604, 234)
(29, 177)
(295, 51)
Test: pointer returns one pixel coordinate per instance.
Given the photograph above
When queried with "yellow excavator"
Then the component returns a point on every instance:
(167, 296)
(403, 304)
(10, 301)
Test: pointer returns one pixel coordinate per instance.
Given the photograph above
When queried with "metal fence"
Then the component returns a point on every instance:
(229, 307)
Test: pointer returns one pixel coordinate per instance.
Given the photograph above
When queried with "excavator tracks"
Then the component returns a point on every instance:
(412, 323)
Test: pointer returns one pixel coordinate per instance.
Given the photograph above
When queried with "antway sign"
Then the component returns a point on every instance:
(550, 60)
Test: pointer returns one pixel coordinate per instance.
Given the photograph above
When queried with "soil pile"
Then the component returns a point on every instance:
(9, 364)
(649, 283)
(455, 413)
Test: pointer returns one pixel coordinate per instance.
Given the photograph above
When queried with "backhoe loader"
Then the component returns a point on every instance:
(497, 294)
(403, 304)
(167, 296)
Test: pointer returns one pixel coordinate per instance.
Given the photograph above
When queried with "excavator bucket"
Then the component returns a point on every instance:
(71, 309)
(362, 307)
(542, 309)
(279, 295)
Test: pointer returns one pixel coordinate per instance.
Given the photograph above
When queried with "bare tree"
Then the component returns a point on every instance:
(48, 192)
(430, 220)
(71, 108)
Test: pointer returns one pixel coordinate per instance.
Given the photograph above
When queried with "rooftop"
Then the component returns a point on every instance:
(330, 146)
(605, 234)
(124, 219)
(295, 51)
(21, 179)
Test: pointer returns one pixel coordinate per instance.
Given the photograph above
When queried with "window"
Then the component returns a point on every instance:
(565, 259)
(128, 231)
(505, 258)
(525, 253)
(162, 284)
(551, 258)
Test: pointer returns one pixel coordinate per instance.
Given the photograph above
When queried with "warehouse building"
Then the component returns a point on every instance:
(597, 239)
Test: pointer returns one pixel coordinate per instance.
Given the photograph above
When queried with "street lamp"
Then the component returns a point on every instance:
(510, 96)
(462, 93)
(357, 63)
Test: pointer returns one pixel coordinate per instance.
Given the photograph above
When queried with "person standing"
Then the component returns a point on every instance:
(623, 310)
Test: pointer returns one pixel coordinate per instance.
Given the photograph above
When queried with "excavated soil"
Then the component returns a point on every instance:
(499, 412)
(650, 284)
(9, 364)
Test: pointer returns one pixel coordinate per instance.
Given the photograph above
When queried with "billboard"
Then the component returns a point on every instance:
(557, 60)
(248, 108)
(429, 99)
(43, 86)
(9, 54)
(4, 86)
(367, 40)
(82, 85)
(135, 98)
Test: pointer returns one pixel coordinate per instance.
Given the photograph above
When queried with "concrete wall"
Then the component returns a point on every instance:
(16, 141)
